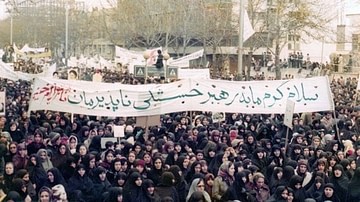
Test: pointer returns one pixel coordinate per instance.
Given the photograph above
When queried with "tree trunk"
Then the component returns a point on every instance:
(249, 64)
(277, 61)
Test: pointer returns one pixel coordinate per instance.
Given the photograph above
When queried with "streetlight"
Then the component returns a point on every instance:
(11, 29)
(146, 56)
(166, 57)
(241, 39)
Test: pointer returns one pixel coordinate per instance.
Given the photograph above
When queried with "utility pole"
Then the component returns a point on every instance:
(11, 28)
(66, 32)
(241, 39)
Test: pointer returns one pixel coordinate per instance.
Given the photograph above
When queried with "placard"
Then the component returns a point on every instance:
(119, 131)
(289, 111)
(2, 103)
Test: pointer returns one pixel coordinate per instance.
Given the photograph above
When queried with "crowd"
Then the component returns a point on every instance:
(45, 156)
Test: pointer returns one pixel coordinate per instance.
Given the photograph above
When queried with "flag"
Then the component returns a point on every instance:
(248, 29)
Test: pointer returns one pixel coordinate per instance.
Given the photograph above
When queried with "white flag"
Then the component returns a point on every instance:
(248, 29)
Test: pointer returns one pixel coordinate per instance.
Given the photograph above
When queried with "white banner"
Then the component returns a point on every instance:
(193, 73)
(131, 58)
(6, 71)
(2, 103)
(184, 61)
(27, 49)
(104, 99)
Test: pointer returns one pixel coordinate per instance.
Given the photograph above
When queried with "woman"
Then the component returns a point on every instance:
(101, 184)
(83, 134)
(133, 190)
(61, 156)
(38, 142)
(18, 185)
(340, 181)
(157, 170)
(80, 185)
(237, 191)
(194, 169)
(316, 189)
(54, 178)
(21, 158)
(275, 178)
(259, 159)
(24, 175)
(180, 183)
(37, 173)
(261, 189)
(280, 195)
(120, 180)
(8, 175)
(16, 134)
(353, 193)
(166, 188)
(82, 150)
(45, 159)
(277, 157)
(223, 181)
(209, 183)
(45, 194)
(198, 185)
(328, 194)
(73, 142)
(150, 190)
(89, 161)
(11, 153)
(59, 193)
(295, 183)
(107, 161)
(115, 194)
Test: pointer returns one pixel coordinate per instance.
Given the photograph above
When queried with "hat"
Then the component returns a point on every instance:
(302, 162)
(53, 136)
(330, 185)
(140, 162)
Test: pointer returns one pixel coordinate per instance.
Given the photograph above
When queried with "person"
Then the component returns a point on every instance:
(159, 61)
(45, 194)
(55, 75)
(59, 193)
(73, 75)
(114, 194)
(133, 189)
(224, 180)
(237, 191)
(353, 193)
(80, 185)
(150, 190)
(261, 189)
(328, 194)
(166, 188)
(280, 195)
(198, 185)
(101, 184)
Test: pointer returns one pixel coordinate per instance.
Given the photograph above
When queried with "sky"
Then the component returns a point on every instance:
(351, 6)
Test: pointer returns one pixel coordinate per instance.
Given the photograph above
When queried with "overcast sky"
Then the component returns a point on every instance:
(351, 6)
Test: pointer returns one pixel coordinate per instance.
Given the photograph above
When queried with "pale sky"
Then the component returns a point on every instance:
(351, 6)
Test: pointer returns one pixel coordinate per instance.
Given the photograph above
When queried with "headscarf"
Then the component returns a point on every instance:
(224, 173)
(193, 188)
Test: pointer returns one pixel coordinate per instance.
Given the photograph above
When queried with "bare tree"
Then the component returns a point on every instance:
(305, 18)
